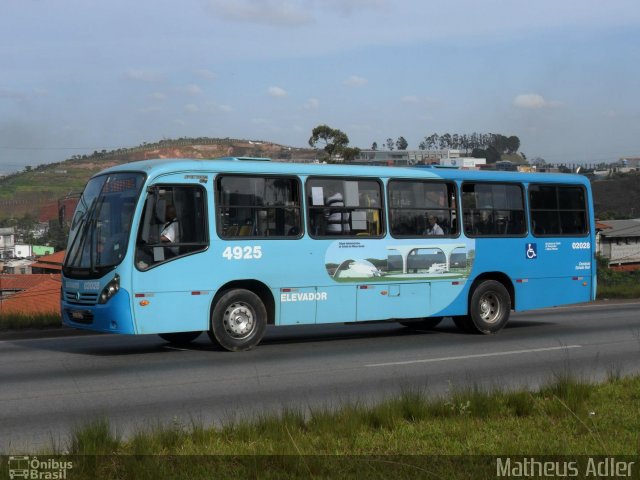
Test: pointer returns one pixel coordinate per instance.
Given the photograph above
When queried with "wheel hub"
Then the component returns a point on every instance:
(239, 320)
(489, 308)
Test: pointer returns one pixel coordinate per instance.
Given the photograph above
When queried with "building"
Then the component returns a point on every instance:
(49, 263)
(17, 266)
(7, 242)
(401, 158)
(465, 163)
(29, 294)
(619, 242)
(26, 251)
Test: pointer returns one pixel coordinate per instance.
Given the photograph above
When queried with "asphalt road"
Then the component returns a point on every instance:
(50, 385)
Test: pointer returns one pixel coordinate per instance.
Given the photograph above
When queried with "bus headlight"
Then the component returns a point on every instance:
(110, 290)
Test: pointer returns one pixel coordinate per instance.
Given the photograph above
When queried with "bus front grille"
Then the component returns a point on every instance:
(80, 298)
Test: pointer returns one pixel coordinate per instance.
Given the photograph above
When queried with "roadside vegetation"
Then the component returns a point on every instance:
(616, 284)
(18, 321)
(567, 417)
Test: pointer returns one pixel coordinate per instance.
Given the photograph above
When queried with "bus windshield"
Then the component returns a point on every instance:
(101, 224)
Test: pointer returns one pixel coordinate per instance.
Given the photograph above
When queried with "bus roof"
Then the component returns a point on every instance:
(157, 167)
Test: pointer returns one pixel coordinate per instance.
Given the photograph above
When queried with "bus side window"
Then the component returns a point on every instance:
(264, 206)
(422, 208)
(344, 207)
(173, 225)
(493, 209)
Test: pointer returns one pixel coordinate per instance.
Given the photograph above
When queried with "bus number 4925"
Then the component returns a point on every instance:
(242, 253)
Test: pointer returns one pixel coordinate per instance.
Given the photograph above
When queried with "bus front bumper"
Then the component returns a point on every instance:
(112, 317)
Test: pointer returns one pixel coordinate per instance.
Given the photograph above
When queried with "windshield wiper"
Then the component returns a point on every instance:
(81, 234)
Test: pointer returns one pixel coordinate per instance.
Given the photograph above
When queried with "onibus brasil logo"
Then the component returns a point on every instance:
(33, 468)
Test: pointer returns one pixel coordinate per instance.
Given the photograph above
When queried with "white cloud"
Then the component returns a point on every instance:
(533, 101)
(355, 81)
(410, 99)
(225, 108)
(206, 74)
(277, 92)
(158, 96)
(192, 89)
(281, 13)
(191, 108)
(312, 104)
(149, 110)
(142, 75)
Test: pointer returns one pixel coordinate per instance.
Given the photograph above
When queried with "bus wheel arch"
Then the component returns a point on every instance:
(239, 315)
(491, 299)
(259, 288)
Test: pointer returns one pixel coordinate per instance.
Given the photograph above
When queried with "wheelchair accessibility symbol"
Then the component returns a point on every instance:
(531, 251)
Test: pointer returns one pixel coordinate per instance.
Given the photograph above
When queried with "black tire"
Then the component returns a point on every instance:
(464, 323)
(489, 307)
(180, 338)
(426, 323)
(238, 320)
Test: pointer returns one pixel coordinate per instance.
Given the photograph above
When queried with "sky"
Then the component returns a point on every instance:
(83, 75)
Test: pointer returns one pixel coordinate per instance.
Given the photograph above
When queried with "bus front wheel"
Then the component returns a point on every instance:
(489, 308)
(238, 320)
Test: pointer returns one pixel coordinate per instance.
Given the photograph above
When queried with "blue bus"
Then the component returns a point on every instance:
(229, 246)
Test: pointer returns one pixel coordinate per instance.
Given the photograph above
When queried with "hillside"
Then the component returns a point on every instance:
(617, 197)
(40, 189)
(31, 191)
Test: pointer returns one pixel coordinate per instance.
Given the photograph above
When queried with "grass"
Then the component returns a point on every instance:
(408, 436)
(631, 290)
(18, 321)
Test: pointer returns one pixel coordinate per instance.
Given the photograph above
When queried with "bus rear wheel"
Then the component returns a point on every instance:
(489, 308)
(238, 320)
(180, 338)
(426, 323)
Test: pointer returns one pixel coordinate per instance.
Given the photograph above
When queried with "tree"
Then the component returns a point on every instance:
(349, 153)
(374, 146)
(389, 143)
(492, 155)
(335, 141)
(513, 144)
(401, 143)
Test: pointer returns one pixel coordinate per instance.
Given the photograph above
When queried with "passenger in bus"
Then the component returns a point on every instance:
(337, 218)
(171, 230)
(433, 228)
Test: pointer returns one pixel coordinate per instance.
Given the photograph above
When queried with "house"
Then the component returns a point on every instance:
(49, 263)
(30, 294)
(25, 251)
(619, 242)
(17, 266)
(7, 242)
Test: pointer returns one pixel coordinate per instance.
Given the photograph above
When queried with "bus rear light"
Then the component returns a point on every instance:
(522, 280)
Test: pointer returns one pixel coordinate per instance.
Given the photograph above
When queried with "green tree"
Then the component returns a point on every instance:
(335, 141)
(513, 144)
(374, 146)
(401, 143)
(492, 155)
(389, 143)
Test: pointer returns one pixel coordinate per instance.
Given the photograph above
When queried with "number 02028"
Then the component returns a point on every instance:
(243, 253)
